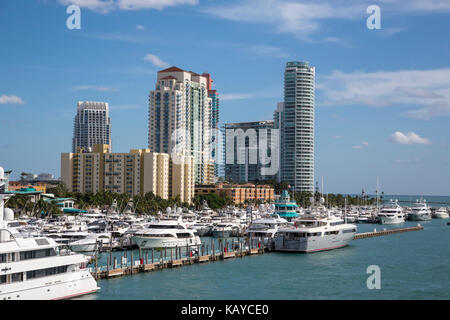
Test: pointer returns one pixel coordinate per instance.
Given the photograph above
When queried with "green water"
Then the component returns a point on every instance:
(414, 265)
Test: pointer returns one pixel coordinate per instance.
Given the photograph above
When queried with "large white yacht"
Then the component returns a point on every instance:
(391, 213)
(166, 234)
(34, 269)
(420, 211)
(314, 234)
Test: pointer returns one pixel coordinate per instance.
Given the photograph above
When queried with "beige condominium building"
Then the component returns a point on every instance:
(180, 119)
(137, 172)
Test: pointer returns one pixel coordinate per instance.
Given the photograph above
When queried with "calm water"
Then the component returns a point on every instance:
(414, 265)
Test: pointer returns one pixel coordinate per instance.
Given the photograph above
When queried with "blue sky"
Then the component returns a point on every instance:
(382, 96)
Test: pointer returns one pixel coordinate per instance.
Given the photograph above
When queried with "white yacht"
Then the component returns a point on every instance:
(165, 234)
(420, 211)
(92, 242)
(265, 227)
(201, 229)
(66, 237)
(314, 234)
(391, 213)
(440, 213)
(351, 216)
(225, 229)
(34, 269)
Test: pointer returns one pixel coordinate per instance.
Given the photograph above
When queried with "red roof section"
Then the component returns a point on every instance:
(171, 69)
(169, 78)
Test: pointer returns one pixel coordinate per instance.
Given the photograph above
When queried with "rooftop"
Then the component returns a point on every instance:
(172, 69)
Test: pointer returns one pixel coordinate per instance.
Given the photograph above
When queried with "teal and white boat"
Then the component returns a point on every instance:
(285, 207)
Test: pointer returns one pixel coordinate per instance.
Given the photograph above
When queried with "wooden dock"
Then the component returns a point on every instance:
(173, 258)
(386, 232)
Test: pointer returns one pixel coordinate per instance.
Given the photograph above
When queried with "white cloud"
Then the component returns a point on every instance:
(102, 6)
(4, 99)
(156, 61)
(361, 146)
(140, 27)
(408, 138)
(94, 88)
(302, 18)
(106, 6)
(436, 109)
(299, 19)
(427, 88)
(152, 4)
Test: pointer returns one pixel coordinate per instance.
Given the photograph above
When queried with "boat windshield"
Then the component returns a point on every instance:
(161, 226)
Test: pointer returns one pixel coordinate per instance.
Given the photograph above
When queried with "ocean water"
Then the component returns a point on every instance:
(408, 200)
(414, 265)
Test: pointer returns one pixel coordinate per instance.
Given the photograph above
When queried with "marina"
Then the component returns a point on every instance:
(407, 273)
(161, 259)
(128, 244)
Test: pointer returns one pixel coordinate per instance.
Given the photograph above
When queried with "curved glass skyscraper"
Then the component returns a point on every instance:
(295, 119)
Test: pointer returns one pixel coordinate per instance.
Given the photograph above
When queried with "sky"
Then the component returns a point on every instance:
(382, 95)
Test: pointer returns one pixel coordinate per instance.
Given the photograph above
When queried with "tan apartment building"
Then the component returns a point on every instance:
(180, 107)
(239, 193)
(137, 172)
(182, 177)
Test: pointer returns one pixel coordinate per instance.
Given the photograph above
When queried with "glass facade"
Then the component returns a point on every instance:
(295, 119)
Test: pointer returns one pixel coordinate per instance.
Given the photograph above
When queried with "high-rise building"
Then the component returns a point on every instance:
(92, 125)
(243, 154)
(137, 172)
(215, 131)
(295, 119)
(180, 119)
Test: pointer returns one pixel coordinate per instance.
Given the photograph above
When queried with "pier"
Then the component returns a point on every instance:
(164, 258)
(386, 232)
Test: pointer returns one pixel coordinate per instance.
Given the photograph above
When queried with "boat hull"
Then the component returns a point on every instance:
(156, 242)
(421, 217)
(391, 220)
(441, 215)
(62, 286)
(313, 244)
